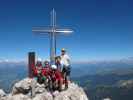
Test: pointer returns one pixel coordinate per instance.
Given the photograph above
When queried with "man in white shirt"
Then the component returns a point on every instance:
(65, 62)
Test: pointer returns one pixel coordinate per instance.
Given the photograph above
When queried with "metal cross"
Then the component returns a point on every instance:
(52, 30)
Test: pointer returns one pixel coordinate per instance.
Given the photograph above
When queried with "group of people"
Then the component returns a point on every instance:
(54, 76)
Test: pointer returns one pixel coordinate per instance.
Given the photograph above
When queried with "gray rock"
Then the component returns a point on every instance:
(40, 88)
(125, 83)
(2, 93)
(23, 86)
(74, 92)
(106, 99)
(29, 89)
(17, 97)
(43, 96)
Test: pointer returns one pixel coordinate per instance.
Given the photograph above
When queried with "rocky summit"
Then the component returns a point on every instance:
(29, 89)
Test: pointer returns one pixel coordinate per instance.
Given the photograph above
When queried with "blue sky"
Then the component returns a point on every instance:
(103, 28)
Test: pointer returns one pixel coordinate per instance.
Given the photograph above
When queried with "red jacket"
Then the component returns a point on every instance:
(56, 75)
(34, 72)
(36, 69)
(46, 71)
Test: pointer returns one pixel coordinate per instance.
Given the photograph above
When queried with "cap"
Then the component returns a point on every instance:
(54, 67)
(46, 62)
(63, 49)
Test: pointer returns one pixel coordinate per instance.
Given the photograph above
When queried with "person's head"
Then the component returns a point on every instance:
(54, 67)
(58, 58)
(63, 51)
(46, 63)
(39, 63)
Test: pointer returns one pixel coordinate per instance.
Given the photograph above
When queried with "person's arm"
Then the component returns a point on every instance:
(68, 59)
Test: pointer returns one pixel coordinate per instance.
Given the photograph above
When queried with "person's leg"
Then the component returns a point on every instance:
(45, 81)
(39, 78)
(68, 73)
(60, 85)
(66, 81)
(64, 71)
(63, 75)
(50, 85)
(67, 77)
(55, 85)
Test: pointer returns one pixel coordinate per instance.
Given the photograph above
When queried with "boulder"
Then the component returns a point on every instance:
(2, 93)
(22, 86)
(27, 85)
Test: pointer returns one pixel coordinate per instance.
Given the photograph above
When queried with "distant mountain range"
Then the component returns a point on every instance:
(121, 66)
(110, 85)
(83, 68)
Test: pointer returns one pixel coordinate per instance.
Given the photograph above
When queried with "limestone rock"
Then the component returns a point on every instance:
(43, 96)
(74, 92)
(17, 97)
(22, 87)
(29, 89)
(2, 93)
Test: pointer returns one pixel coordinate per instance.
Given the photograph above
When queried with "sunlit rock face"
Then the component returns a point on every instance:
(23, 90)
(2, 94)
(106, 99)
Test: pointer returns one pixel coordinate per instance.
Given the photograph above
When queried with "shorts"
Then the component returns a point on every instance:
(66, 70)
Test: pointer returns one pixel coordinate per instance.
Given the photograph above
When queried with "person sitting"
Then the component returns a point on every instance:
(37, 68)
(38, 72)
(57, 79)
(46, 71)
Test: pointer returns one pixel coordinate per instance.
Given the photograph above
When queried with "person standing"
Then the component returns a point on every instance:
(58, 62)
(65, 62)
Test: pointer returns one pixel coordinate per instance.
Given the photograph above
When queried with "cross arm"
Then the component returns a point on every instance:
(42, 30)
(64, 30)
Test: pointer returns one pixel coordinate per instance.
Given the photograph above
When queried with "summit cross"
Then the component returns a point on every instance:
(53, 30)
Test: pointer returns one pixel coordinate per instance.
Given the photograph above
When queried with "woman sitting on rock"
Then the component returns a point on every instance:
(46, 72)
(57, 79)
